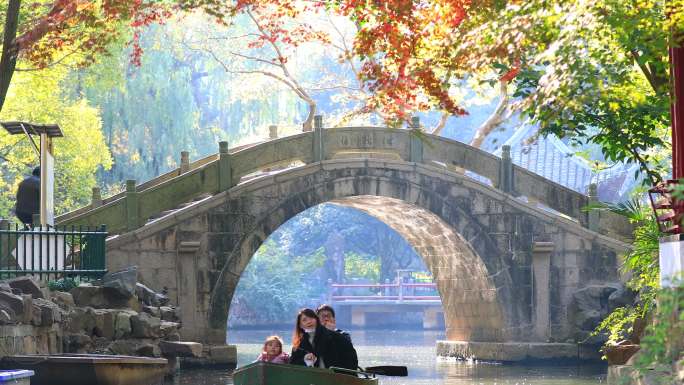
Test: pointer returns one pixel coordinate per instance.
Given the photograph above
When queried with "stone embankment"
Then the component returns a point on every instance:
(115, 315)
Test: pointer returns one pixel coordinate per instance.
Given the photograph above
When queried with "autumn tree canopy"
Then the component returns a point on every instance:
(42, 33)
(592, 70)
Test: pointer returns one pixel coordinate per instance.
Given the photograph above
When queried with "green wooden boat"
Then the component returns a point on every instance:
(266, 373)
(90, 369)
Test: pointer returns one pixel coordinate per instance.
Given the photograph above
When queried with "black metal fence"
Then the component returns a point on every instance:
(53, 252)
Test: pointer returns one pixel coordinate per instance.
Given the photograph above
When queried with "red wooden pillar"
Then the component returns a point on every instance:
(677, 118)
(677, 110)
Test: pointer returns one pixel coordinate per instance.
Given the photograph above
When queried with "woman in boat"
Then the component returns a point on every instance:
(315, 345)
(273, 351)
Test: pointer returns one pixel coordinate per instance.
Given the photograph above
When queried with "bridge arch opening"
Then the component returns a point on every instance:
(466, 284)
(342, 257)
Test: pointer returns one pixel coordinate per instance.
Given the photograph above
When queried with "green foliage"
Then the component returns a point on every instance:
(591, 71)
(422, 277)
(642, 264)
(38, 97)
(179, 99)
(274, 286)
(361, 266)
(663, 343)
(64, 284)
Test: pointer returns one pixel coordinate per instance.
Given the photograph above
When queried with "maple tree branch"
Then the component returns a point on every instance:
(255, 58)
(308, 123)
(656, 82)
(52, 64)
(233, 37)
(262, 72)
(317, 89)
(646, 71)
(347, 58)
(61, 10)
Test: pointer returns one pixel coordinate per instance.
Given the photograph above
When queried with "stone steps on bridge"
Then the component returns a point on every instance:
(165, 213)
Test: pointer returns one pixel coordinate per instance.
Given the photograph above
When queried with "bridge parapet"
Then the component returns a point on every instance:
(216, 173)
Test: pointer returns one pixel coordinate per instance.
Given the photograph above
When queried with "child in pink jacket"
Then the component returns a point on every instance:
(273, 351)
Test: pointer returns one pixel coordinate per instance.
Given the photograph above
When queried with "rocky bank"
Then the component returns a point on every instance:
(114, 315)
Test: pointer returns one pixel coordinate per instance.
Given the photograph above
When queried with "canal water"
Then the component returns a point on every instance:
(416, 350)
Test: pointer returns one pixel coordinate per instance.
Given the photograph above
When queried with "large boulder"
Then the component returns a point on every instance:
(589, 307)
(146, 295)
(89, 295)
(122, 324)
(620, 298)
(169, 330)
(122, 283)
(144, 325)
(129, 347)
(27, 285)
(100, 297)
(13, 304)
(45, 312)
(81, 320)
(104, 323)
(169, 313)
(28, 308)
(154, 311)
(63, 299)
(77, 343)
(161, 299)
(180, 349)
(4, 286)
(5, 317)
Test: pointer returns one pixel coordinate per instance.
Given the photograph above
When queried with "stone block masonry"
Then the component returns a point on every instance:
(477, 241)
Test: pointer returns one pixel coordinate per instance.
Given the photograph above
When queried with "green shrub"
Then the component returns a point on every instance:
(64, 284)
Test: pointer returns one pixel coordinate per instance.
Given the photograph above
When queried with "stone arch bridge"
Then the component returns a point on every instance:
(507, 248)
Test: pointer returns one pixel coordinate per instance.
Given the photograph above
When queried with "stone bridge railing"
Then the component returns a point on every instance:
(131, 209)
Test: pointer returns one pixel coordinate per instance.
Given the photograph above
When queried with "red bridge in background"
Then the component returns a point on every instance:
(399, 297)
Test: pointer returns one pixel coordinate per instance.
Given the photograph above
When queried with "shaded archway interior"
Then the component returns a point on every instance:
(469, 295)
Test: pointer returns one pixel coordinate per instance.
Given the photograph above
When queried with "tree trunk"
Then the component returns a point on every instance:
(308, 123)
(8, 60)
(500, 115)
(440, 125)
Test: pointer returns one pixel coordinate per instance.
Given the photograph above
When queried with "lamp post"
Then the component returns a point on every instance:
(44, 151)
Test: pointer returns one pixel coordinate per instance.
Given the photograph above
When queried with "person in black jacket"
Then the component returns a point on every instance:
(314, 345)
(28, 198)
(326, 314)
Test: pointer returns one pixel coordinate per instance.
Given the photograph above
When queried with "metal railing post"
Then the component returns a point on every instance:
(4, 244)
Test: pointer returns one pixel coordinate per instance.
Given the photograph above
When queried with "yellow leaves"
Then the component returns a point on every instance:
(38, 97)
(85, 5)
(135, 157)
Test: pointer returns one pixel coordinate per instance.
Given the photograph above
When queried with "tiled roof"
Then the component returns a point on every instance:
(554, 160)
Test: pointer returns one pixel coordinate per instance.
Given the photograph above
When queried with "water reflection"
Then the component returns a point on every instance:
(415, 349)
